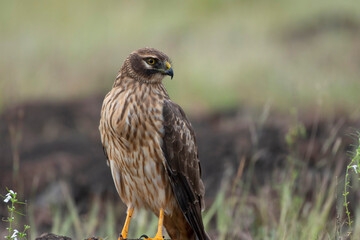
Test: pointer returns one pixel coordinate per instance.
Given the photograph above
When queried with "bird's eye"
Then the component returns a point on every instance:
(150, 61)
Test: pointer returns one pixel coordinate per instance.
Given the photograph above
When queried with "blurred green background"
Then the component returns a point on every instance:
(225, 53)
(285, 56)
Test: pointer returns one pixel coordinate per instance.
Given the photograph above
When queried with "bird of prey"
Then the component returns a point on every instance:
(151, 148)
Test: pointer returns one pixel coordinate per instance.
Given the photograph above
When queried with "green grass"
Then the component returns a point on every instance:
(296, 201)
(281, 208)
(274, 211)
(225, 53)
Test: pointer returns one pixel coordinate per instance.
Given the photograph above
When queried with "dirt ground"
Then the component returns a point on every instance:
(60, 142)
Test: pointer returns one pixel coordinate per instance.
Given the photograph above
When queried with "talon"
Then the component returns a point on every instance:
(121, 237)
(143, 236)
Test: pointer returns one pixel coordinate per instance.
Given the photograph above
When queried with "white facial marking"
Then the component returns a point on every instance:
(148, 66)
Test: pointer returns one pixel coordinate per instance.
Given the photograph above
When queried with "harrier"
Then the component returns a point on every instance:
(151, 148)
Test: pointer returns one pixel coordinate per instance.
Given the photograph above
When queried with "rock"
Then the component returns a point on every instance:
(51, 236)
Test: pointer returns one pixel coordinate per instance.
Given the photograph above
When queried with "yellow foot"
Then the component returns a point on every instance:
(124, 232)
(121, 237)
(158, 235)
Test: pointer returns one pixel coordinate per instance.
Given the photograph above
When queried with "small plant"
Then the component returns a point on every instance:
(11, 199)
(295, 132)
(354, 166)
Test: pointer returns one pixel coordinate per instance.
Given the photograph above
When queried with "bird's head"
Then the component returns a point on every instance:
(148, 65)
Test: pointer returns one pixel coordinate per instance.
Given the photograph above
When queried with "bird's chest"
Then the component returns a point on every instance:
(141, 125)
(136, 121)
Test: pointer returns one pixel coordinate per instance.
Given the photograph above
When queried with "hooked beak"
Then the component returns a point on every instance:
(169, 71)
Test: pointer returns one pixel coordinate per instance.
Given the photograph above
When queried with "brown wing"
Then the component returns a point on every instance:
(183, 166)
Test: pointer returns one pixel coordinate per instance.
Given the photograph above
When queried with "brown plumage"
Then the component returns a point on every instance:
(151, 147)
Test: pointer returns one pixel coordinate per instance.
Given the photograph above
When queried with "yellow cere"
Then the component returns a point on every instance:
(168, 66)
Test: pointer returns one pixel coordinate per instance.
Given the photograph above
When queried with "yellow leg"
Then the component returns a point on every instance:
(159, 235)
(124, 231)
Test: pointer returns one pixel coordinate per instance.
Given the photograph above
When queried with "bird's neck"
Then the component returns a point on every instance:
(127, 83)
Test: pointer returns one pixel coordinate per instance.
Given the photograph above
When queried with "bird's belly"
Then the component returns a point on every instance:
(144, 181)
